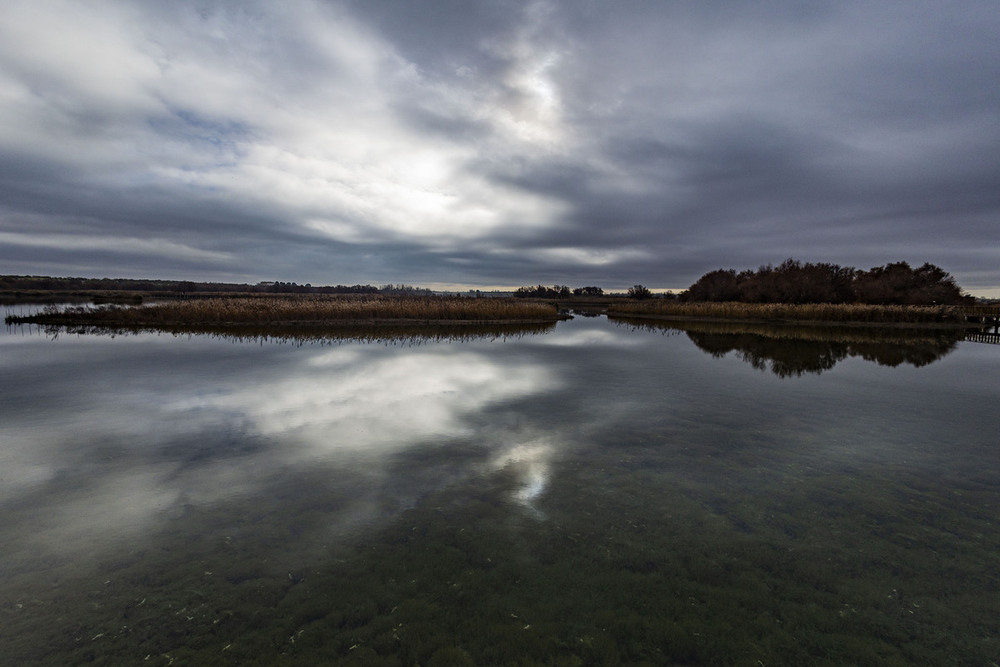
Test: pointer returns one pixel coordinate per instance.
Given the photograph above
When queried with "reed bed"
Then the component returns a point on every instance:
(287, 310)
(809, 312)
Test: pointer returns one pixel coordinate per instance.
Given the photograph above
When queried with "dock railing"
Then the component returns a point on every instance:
(987, 315)
(981, 310)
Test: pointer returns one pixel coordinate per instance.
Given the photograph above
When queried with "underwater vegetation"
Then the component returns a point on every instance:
(626, 568)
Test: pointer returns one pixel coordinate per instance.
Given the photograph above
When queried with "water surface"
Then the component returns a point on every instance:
(593, 493)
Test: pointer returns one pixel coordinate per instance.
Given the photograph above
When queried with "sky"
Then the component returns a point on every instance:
(493, 144)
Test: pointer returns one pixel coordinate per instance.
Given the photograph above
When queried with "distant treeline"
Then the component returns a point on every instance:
(792, 282)
(797, 282)
(557, 291)
(46, 283)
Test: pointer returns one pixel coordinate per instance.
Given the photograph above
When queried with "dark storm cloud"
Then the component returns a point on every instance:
(497, 143)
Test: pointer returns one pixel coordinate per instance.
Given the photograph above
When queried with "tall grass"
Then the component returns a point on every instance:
(299, 310)
(810, 312)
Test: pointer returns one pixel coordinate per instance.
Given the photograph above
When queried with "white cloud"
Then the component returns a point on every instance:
(313, 125)
(579, 256)
(294, 108)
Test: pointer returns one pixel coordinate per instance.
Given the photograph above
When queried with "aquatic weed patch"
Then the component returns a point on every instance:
(817, 568)
(629, 579)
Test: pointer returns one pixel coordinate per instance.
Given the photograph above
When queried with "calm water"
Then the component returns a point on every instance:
(597, 493)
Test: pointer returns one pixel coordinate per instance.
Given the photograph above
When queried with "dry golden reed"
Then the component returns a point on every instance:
(302, 309)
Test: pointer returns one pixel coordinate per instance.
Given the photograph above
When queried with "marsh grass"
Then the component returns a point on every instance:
(296, 310)
(812, 312)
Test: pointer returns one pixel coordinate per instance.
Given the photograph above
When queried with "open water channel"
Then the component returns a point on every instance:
(594, 492)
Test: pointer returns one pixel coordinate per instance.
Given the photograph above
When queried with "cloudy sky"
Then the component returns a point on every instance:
(496, 143)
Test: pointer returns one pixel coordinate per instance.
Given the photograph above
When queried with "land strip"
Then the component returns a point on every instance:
(296, 311)
(822, 313)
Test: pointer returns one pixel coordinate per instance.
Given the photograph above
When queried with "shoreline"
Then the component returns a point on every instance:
(277, 324)
(944, 326)
(291, 312)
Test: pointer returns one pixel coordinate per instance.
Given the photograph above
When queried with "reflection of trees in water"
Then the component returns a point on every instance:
(789, 351)
(787, 357)
(782, 357)
(405, 334)
(915, 355)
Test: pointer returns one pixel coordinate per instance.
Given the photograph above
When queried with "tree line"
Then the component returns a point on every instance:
(557, 291)
(797, 282)
(48, 283)
(791, 281)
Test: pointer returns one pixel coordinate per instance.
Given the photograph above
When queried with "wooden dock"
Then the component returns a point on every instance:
(989, 318)
(990, 310)
(982, 314)
(991, 337)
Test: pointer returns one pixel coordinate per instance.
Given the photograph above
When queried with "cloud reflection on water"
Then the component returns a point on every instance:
(342, 400)
(587, 338)
(109, 438)
(158, 435)
(532, 463)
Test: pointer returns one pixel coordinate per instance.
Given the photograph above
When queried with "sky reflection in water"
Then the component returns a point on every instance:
(111, 434)
(112, 446)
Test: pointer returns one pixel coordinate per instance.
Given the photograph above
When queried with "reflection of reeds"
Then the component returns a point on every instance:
(298, 310)
(813, 312)
(801, 332)
(396, 334)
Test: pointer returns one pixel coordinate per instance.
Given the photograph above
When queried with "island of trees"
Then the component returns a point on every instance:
(797, 282)
(894, 294)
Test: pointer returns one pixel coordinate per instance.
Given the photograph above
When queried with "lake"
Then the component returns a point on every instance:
(593, 492)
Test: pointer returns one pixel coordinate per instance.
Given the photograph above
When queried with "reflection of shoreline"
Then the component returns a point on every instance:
(792, 350)
(383, 332)
(684, 320)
